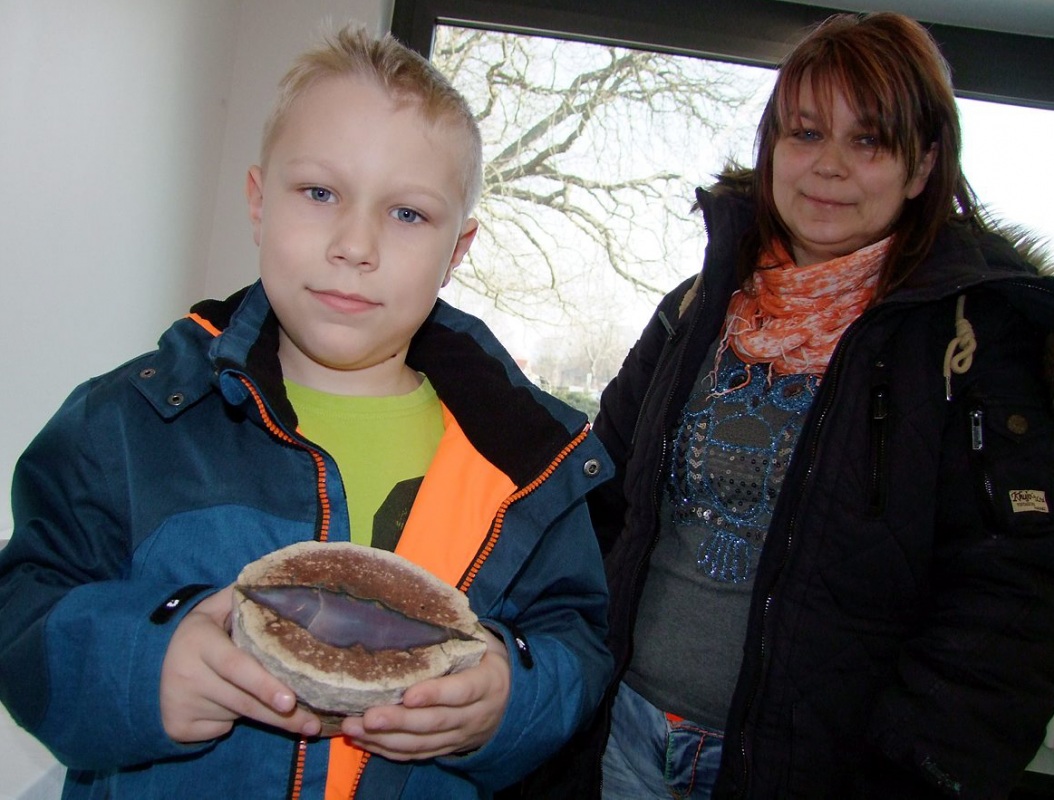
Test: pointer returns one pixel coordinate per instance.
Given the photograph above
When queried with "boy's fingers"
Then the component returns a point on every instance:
(407, 748)
(293, 718)
(208, 682)
(244, 672)
(297, 721)
(414, 721)
(253, 691)
(418, 734)
(230, 702)
(234, 665)
(422, 695)
(460, 689)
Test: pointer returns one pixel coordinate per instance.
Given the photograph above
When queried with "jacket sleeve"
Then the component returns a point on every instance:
(620, 408)
(80, 658)
(553, 621)
(976, 680)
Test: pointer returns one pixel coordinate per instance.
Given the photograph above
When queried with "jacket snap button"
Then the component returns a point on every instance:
(591, 467)
(149, 372)
(175, 399)
(1017, 423)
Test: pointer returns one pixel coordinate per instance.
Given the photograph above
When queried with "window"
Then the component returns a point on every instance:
(597, 127)
(592, 156)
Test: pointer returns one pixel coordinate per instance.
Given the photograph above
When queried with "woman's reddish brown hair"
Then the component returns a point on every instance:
(893, 75)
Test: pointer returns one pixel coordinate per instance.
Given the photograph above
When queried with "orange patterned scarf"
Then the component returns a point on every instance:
(795, 315)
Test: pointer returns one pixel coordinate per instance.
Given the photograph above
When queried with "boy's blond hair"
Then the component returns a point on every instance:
(403, 73)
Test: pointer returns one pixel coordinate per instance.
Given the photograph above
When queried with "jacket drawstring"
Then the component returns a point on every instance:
(958, 358)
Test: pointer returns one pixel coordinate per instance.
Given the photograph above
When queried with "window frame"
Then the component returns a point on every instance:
(986, 65)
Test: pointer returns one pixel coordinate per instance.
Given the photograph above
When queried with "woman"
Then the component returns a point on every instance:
(829, 545)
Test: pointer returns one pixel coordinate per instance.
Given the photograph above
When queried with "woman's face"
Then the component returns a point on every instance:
(835, 189)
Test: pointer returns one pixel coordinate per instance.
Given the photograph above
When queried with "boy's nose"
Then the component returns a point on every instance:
(354, 243)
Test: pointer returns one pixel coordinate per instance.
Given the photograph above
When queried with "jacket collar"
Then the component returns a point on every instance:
(510, 421)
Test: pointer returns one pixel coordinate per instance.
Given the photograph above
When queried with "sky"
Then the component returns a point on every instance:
(1007, 159)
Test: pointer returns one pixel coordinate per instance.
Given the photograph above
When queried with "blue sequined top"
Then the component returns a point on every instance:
(729, 456)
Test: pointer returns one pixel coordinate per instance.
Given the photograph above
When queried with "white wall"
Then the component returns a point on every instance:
(126, 127)
(111, 121)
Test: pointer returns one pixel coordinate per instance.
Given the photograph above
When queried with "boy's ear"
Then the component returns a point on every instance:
(464, 241)
(254, 196)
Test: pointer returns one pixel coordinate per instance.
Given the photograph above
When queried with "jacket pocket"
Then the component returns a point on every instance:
(1011, 455)
(877, 461)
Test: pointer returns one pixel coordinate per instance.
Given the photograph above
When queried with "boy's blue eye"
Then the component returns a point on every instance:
(319, 195)
(407, 215)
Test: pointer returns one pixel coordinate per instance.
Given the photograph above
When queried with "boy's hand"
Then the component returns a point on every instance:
(452, 714)
(207, 682)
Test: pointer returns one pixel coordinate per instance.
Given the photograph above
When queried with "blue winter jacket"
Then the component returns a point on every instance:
(163, 478)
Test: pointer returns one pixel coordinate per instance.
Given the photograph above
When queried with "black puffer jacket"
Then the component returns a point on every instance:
(901, 637)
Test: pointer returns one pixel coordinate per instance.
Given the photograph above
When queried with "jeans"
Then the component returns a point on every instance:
(654, 755)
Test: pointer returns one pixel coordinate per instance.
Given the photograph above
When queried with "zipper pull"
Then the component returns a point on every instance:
(977, 429)
(670, 332)
(879, 405)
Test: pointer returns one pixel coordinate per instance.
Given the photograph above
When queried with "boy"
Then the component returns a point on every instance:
(336, 397)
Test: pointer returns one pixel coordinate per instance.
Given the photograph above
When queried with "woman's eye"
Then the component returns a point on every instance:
(319, 195)
(869, 140)
(805, 135)
(407, 215)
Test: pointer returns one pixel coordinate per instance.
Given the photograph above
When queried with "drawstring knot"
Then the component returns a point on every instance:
(958, 358)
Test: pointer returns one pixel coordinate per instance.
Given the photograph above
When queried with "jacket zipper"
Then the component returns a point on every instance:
(296, 780)
(664, 409)
(877, 456)
(977, 414)
(879, 412)
(830, 380)
(977, 429)
(322, 532)
(671, 337)
(296, 770)
(519, 494)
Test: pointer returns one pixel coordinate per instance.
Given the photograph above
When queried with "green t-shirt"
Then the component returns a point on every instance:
(382, 446)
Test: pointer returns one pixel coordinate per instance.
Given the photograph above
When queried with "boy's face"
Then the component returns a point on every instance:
(360, 219)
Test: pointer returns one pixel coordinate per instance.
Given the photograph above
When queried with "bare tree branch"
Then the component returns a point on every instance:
(575, 144)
